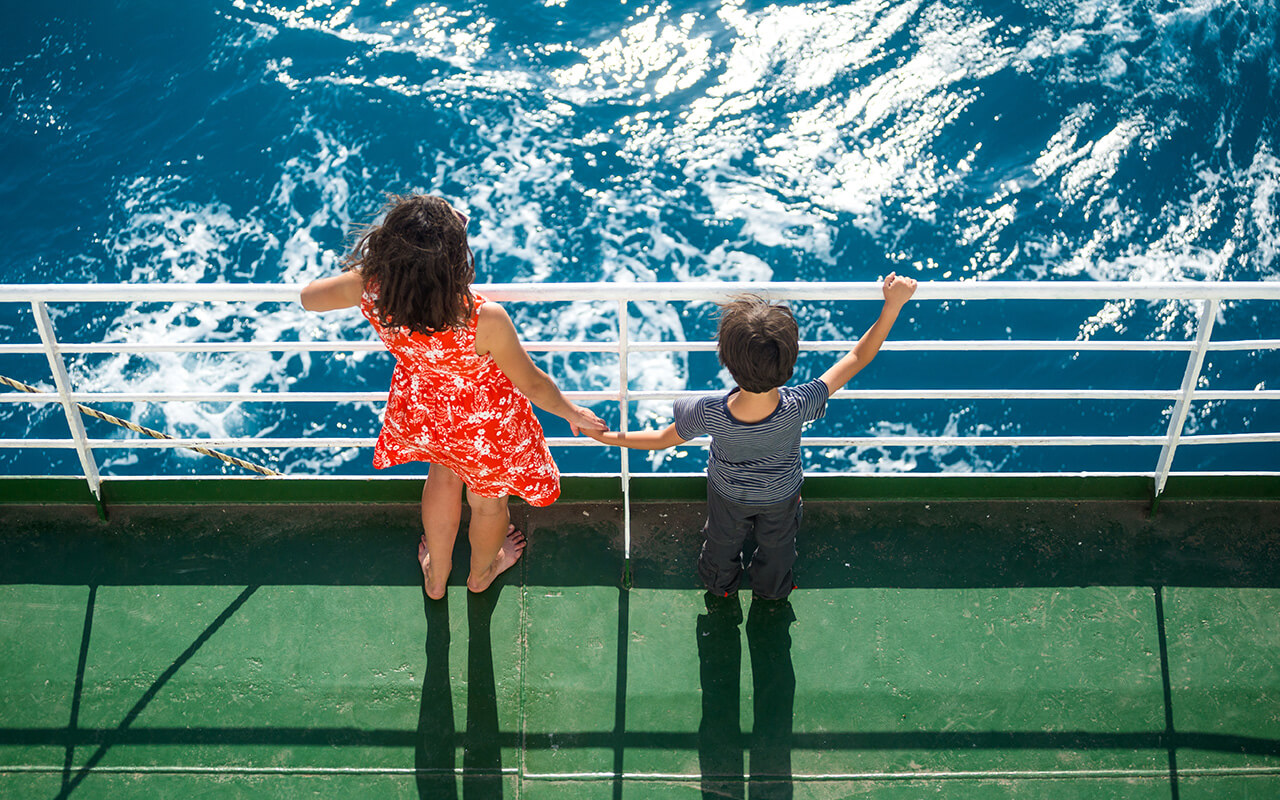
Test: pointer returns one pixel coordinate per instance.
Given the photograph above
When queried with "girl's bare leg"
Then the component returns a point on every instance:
(495, 544)
(441, 511)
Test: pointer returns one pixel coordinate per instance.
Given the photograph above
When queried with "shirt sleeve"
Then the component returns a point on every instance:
(811, 399)
(690, 420)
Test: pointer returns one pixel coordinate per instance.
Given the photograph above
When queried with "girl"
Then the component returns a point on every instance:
(461, 388)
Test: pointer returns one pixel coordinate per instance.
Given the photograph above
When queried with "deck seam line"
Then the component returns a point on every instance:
(656, 776)
(939, 775)
(524, 668)
(230, 770)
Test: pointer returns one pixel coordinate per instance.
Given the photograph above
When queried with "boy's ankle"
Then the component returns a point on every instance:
(724, 606)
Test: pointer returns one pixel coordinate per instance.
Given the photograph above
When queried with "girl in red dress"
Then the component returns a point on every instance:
(461, 391)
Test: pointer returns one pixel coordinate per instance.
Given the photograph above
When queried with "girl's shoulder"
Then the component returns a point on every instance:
(489, 317)
(483, 308)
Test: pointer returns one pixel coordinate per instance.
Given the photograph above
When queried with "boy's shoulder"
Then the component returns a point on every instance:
(809, 398)
(813, 388)
(698, 402)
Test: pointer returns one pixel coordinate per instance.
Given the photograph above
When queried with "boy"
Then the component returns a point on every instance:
(754, 472)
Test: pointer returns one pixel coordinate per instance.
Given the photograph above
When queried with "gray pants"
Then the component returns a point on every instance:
(770, 566)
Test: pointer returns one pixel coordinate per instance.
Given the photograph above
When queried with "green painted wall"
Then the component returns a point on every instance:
(124, 491)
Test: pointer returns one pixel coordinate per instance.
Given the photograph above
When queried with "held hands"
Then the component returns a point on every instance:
(600, 436)
(898, 290)
(584, 420)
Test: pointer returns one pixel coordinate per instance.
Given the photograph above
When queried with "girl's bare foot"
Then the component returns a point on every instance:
(510, 553)
(425, 560)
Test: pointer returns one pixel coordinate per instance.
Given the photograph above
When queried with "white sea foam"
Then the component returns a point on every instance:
(898, 459)
(1141, 58)
(751, 131)
(167, 239)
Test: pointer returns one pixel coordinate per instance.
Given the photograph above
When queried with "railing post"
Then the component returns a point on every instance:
(60, 379)
(624, 403)
(1208, 315)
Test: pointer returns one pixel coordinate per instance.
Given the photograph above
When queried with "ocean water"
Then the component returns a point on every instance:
(626, 141)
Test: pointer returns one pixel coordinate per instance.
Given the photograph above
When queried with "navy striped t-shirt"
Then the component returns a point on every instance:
(754, 463)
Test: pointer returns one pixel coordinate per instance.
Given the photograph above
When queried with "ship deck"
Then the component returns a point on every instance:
(964, 648)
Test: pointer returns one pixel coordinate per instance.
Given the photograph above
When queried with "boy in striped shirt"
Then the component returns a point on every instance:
(754, 471)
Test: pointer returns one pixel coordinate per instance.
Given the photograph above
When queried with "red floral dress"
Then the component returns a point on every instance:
(450, 406)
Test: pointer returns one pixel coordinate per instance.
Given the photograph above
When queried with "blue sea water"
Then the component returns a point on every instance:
(624, 141)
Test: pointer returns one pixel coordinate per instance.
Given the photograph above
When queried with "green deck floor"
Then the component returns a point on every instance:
(957, 649)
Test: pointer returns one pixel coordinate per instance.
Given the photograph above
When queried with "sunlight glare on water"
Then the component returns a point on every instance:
(1032, 140)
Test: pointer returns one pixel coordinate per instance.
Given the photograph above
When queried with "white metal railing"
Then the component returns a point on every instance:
(1210, 296)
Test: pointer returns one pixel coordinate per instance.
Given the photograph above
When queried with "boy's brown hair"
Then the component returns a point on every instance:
(758, 342)
(418, 261)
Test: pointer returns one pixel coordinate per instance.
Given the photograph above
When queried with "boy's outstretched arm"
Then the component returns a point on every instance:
(897, 291)
(639, 440)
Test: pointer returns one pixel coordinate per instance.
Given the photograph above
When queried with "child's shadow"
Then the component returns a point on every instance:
(435, 756)
(720, 741)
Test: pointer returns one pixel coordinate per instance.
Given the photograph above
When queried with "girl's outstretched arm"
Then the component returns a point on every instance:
(640, 440)
(338, 291)
(496, 336)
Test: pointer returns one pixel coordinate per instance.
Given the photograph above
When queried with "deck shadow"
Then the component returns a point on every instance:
(951, 544)
(963, 544)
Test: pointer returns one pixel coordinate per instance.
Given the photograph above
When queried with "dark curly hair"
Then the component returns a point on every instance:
(758, 342)
(418, 263)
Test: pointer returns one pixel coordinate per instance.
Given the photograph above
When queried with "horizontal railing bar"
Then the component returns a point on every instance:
(375, 476)
(1236, 394)
(684, 291)
(879, 476)
(940, 345)
(943, 345)
(1025, 344)
(814, 441)
(1244, 344)
(282, 347)
(606, 396)
(334, 346)
(241, 397)
(1230, 438)
(964, 394)
(609, 396)
(977, 441)
(974, 345)
(38, 398)
(307, 442)
(556, 441)
(932, 345)
(1005, 394)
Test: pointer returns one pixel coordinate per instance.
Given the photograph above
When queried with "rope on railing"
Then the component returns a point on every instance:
(136, 428)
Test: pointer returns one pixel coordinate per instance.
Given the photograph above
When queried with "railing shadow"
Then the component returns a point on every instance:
(71, 780)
